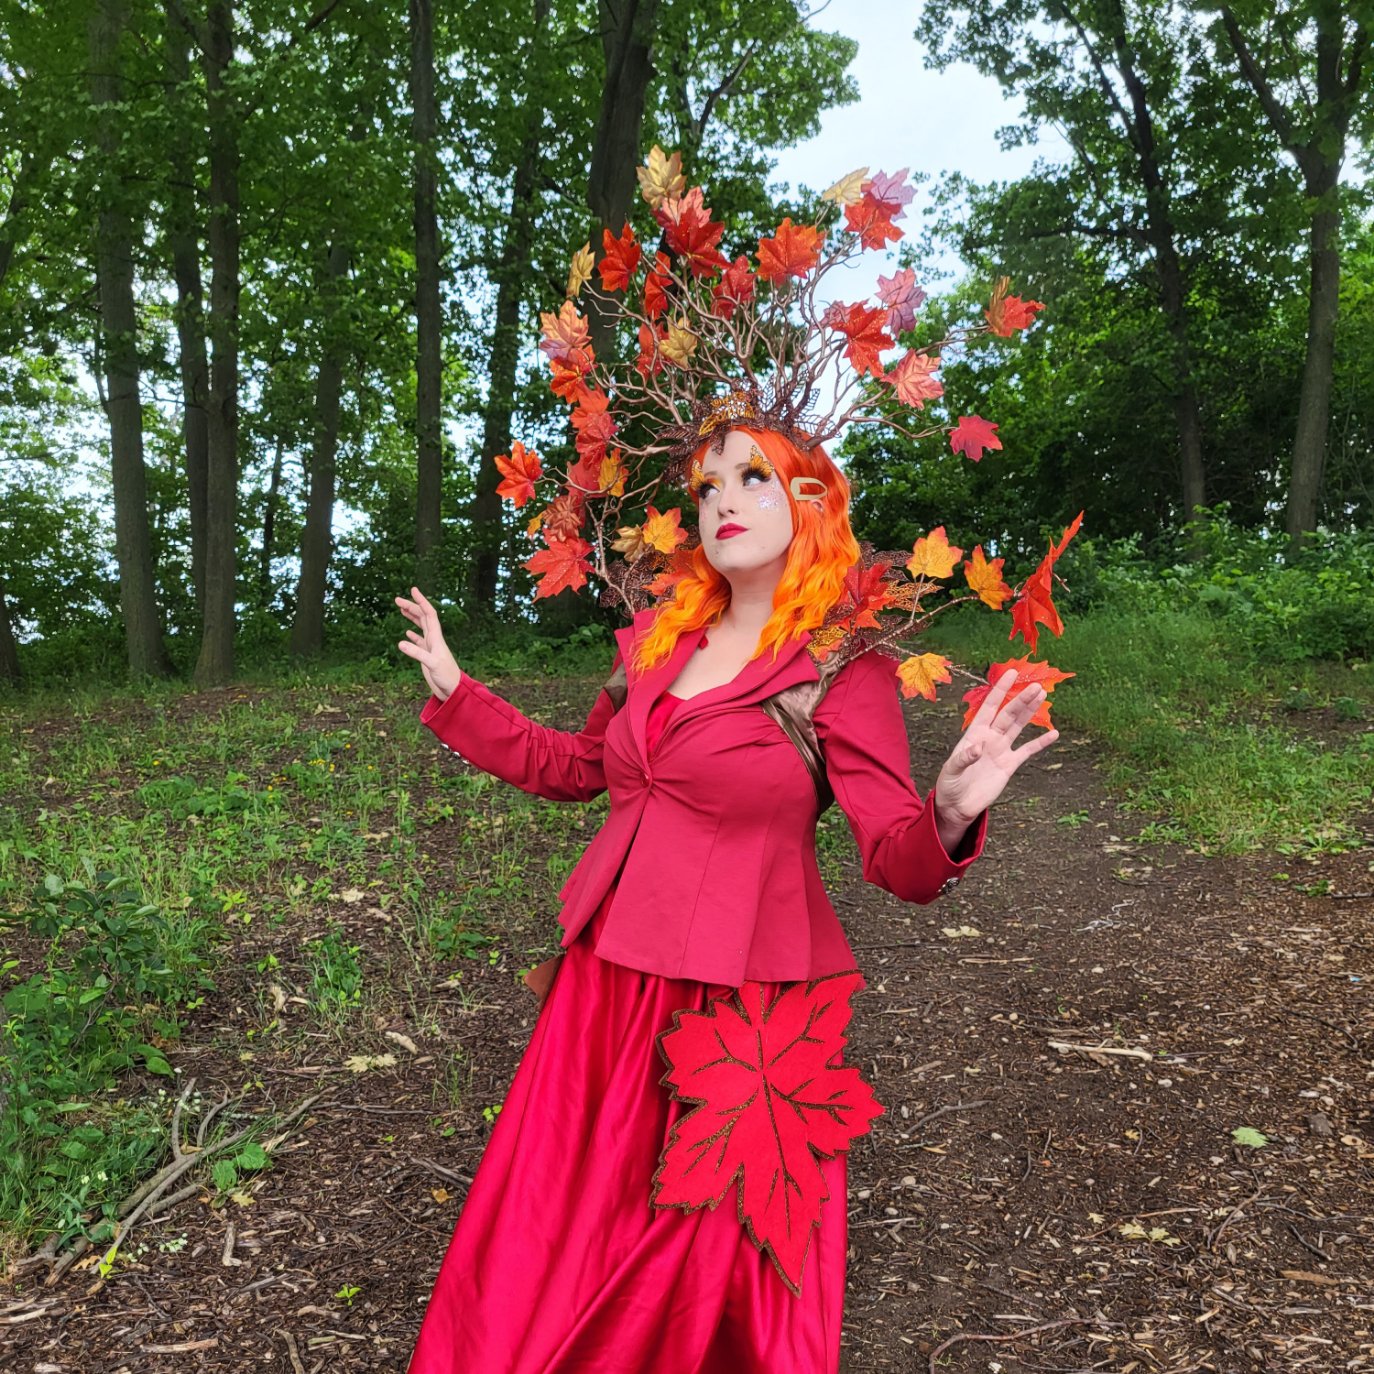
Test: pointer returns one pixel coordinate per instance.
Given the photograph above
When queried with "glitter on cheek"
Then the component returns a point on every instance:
(770, 499)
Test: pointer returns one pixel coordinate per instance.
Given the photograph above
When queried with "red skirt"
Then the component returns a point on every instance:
(559, 1265)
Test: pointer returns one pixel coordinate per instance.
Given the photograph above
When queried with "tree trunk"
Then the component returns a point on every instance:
(9, 649)
(184, 242)
(119, 327)
(512, 276)
(269, 528)
(428, 321)
(627, 41)
(216, 662)
(307, 631)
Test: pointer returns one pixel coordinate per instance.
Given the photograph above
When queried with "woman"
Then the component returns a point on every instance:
(702, 881)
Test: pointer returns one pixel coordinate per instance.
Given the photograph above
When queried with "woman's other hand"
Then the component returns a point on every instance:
(982, 763)
(427, 646)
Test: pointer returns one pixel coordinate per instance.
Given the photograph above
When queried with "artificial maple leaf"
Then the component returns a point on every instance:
(1035, 604)
(1026, 673)
(679, 344)
(932, 555)
(566, 339)
(871, 219)
(1006, 314)
(892, 191)
(584, 477)
(621, 260)
(656, 286)
(792, 251)
(660, 177)
(866, 592)
(691, 232)
(563, 564)
(567, 381)
(733, 289)
(520, 469)
(903, 299)
(613, 475)
(580, 272)
(848, 189)
(533, 527)
(594, 424)
(920, 673)
(972, 435)
(563, 516)
(771, 1102)
(650, 359)
(914, 381)
(865, 328)
(663, 531)
(985, 578)
(678, 566)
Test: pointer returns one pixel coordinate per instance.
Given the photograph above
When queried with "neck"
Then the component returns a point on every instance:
(751, 603)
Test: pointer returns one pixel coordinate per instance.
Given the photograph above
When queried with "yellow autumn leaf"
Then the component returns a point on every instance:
(680, 344)
(933, 555)
(921, 672)
(533, 527)
(661, 177)
(664, 531)
(580, 272)
(848, 190)
(613, 474)
(630, 542)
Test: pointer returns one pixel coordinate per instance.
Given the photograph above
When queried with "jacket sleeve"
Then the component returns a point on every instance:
(868, 761)
(486, 730)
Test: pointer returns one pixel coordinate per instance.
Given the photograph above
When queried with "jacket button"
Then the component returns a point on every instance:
(948, 886)
(648, 777)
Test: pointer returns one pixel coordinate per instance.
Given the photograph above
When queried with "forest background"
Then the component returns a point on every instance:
(270, 275)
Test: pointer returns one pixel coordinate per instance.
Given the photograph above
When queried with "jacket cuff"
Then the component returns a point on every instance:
(439, 715)
(968, 849)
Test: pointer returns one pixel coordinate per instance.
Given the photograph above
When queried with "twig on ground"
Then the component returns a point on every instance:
(1002, 1340)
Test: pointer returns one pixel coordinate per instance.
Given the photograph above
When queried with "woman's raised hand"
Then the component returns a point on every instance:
(427, 647)
(982, 763)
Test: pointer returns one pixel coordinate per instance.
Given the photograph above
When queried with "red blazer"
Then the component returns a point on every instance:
(711, 843)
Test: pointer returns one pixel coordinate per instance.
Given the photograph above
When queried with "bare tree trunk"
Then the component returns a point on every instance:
(269, 528)
(216, 662)
(428, 321)
(512, 277)
(9, 649)
(307, 631)
(119, 328)
(627, 40)
(184, 240)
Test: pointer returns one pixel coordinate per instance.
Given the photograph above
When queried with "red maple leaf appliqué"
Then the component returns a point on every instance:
(770, 1103)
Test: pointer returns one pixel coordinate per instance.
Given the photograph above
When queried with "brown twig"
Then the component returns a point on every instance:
(1002, 1340)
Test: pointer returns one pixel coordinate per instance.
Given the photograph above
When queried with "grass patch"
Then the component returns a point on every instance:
(1198, 732)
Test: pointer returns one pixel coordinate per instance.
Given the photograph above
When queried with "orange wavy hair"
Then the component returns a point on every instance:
(822, 551)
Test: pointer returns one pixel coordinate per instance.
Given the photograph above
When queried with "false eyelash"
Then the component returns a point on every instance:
(696, 479)
(758, 463)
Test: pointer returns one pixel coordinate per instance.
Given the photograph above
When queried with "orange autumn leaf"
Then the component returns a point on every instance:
(612, 477)
(733, 289)
(567, 381)
(594, 424)
(563, 564)
(1006, 314)
(866, 591)
(663, 531)
(563, 517)
(914, 381)
(985, 578)
(921, 672)
(691, 232)
(932, 555)
(656, 286)
(621, 260)
(1026, 673)
(866, 329)
(1035, 605)
(520, 470)
(566, 338)
(792, 251)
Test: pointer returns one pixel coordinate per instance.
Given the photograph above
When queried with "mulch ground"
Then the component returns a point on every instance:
(1064, 1047)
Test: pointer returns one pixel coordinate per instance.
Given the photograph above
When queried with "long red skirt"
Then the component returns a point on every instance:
(559, 1265)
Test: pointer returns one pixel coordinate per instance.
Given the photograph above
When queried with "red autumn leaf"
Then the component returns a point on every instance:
(1026, 673)
(972, 435)
(866, 330)
(594, 424)
(563, 563)
(773, 1099)
(792, 251)
(649, 360)
(656, 286)
(1006, 314)
(691, 232)
(871, 219)
(914, 380)
(567, 381)
(733, 289)
(866, 591)
(521, 469)
(1035, 604)
(621, 260)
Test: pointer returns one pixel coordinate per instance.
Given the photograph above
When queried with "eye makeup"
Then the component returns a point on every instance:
(757, 466)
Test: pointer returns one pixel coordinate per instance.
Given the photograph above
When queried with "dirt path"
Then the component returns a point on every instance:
(1061, 1090)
